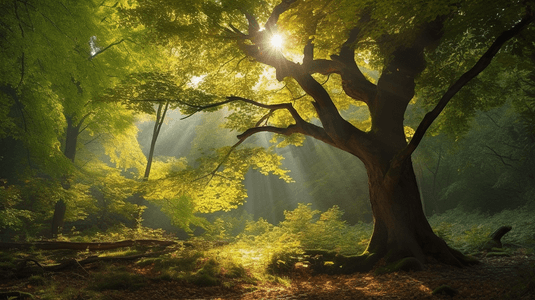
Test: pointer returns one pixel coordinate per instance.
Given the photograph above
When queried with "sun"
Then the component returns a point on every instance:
(277, 41)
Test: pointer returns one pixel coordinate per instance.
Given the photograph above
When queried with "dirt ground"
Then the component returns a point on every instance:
(495, 278)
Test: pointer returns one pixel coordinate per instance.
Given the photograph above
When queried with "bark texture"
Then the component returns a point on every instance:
(58, 218)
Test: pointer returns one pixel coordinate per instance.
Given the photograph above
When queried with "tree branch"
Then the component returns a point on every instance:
(481, 64)
(301, 126)
(354, 83)
(501, 157)
(277, 11)
(110, 45)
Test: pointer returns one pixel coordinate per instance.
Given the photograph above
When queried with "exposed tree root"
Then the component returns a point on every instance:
(330, 262)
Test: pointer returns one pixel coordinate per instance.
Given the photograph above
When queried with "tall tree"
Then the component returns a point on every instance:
(395, 38)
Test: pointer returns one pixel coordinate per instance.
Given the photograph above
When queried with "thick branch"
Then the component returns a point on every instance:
(354, 82)
(301, 126)
(236, 98)
(481, 64)
(277, 11)
(335, 126)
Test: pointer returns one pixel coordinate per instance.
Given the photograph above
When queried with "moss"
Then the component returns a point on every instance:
(36, 280)
(445, 290)
(405, 264)
(203, 279)
(491, 254)
(490, 244)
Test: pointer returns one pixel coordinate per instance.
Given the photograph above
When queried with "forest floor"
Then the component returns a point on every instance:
(511, 277)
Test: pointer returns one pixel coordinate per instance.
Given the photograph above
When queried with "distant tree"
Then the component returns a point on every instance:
(154, 93)
(396, 38)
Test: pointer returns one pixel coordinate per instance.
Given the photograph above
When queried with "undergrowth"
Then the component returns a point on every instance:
(467, 231)
(260, 251)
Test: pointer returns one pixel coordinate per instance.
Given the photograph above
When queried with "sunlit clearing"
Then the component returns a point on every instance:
(277, 41)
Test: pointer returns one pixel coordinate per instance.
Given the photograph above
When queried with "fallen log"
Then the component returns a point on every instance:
(24, 269)
(92, 259)
(54, 245)
(15, 295)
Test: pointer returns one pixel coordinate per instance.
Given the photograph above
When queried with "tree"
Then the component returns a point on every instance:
(398, 39)
(142, 92)
(52, 69)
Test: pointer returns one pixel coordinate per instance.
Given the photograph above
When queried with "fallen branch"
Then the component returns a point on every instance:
(53, 245)
(92, 259)
(16, 295)
(23, 270)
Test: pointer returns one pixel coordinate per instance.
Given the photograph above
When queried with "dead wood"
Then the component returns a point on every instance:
(494, 240)
(24, 270)
(15, 295)
(500, 232)
(54, 245)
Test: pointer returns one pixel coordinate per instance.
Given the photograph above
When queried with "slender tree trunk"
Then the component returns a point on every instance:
(160, 116)
(420, 181)
(71, 139)
(59, 216)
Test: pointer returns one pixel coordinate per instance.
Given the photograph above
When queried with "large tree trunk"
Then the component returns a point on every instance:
(400, 226)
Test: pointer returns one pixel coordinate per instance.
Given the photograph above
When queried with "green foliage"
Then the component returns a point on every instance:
(182, 212)
(200, 268)
(227, 228)
(10, 215)
(468, 231)
(491, 168)
(121, 232)
(268, 249)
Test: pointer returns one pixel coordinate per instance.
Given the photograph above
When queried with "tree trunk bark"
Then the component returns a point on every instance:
(59, 216)
(400, 227)
(71, 139)
(160, 117)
